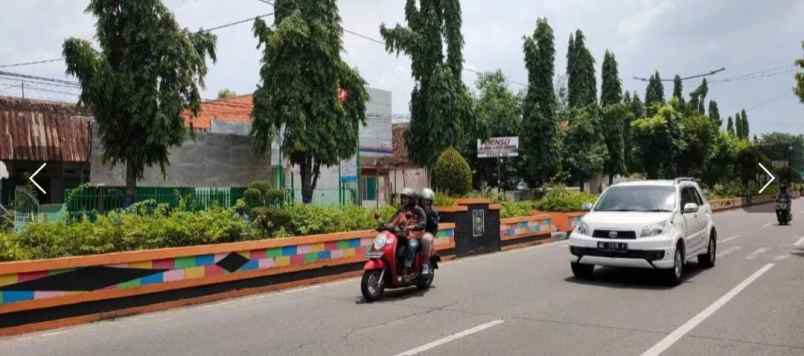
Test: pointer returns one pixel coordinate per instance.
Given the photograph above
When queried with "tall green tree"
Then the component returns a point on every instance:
(307, 89)
(612, 86)
(440, 104)
(730, 127)
(654, 94)
(746, 126)
(499, 114)
(539, 123)
(614, 118)
(678, 89)
(147, 72)
(738, 126)
(698, 97)
(637, 108)
(714, 114)
(800, 77)
(658, 142)
(584, 148)
(581, 73)
(699, 135)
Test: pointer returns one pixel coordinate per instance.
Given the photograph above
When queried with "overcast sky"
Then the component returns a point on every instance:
(672, 36)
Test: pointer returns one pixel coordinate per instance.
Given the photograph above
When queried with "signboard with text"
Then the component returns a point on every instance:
(496, 147)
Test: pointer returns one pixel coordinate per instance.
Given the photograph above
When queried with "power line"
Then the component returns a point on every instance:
(755, 75)
(43, 79)
(50, 84)
(686, 78)
(237, 22)
(381, 42)
(31, 63)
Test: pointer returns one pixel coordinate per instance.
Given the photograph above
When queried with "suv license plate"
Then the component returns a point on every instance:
(619, 246)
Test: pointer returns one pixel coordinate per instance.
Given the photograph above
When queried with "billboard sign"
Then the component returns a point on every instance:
(496, 147)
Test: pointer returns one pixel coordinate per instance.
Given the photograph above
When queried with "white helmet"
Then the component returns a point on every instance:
(428, 194)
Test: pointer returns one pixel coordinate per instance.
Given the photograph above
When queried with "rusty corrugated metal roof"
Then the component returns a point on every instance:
(35, 131)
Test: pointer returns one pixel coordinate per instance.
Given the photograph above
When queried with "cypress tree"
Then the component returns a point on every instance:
(654, 93)
(678, 89)
(611, 90)
(714, 114)
(730, 127)
(540, 126)
(746, 126)
(581, 71)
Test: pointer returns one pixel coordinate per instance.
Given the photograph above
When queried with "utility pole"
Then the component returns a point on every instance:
(22, 87)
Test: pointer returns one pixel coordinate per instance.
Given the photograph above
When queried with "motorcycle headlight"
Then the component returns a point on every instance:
(583, 228)
(380, 242)
(654, 229)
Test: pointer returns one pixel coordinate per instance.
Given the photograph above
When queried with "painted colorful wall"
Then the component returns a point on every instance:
(30, 285)
(527, 226)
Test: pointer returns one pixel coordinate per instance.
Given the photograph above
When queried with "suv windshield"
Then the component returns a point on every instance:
(638, 198)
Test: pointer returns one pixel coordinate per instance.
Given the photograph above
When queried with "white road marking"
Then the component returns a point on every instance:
(799, 242)
(756, 253)
(767, 225)
(682, 330)
(730, 238)
(451, 338)
(729, 251)
(780, 257)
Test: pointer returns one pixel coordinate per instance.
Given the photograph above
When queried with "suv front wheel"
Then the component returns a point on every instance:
(582, 271)
(674, 275)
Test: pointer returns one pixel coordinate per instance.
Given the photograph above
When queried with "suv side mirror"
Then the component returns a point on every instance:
(690, 208)
(586, 206)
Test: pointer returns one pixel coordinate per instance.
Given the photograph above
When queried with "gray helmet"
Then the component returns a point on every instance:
(428, 194)
(408, 192)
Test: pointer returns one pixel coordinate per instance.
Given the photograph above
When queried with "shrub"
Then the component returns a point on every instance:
(262, 193)
(442, 199)
(561, 199)
(452, 174)
(517, 208)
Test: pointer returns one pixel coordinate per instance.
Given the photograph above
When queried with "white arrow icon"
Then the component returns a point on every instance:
(31, 178)
(770, 175)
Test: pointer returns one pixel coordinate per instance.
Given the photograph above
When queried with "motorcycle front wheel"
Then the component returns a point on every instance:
(371, 286)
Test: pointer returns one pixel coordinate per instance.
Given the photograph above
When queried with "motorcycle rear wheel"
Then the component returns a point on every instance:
(424, 281)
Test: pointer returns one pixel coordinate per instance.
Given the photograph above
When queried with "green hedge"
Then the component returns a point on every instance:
(563, 200)
(147, 225)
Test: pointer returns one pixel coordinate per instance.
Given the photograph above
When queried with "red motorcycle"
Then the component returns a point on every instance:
(384, 269)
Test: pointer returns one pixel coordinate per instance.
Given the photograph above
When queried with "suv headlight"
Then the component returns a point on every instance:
(654, 229)
(380, 242)
(583, 228)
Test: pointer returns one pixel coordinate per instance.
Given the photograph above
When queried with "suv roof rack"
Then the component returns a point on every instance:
(684, 179)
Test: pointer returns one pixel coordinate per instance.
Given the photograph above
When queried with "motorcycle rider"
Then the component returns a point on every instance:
(416, 219)
(783, 197)
(431, 229)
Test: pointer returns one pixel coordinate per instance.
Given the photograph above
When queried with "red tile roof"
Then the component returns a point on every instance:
(234, 109)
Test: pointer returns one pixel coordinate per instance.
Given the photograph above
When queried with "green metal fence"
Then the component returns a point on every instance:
(102, 199)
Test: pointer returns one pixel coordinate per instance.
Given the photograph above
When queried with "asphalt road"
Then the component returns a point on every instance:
(523, 302)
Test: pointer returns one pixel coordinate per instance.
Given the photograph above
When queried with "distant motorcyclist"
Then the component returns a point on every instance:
(431, 229)
(415, 219)
(783, 204)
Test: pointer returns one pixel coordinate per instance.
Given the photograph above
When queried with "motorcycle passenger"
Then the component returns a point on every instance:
(431, 228)
(414, 216)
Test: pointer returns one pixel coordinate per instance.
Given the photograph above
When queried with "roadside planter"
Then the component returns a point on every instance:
(525, 229)
(477, 225)
(564, 221)
(29, 285)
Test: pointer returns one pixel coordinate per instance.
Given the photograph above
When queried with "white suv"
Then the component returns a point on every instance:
(657, 224)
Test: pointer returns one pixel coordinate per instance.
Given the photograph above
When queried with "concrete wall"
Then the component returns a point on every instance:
(208, 161)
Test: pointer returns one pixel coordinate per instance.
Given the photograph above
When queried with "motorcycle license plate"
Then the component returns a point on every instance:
(617, 246)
